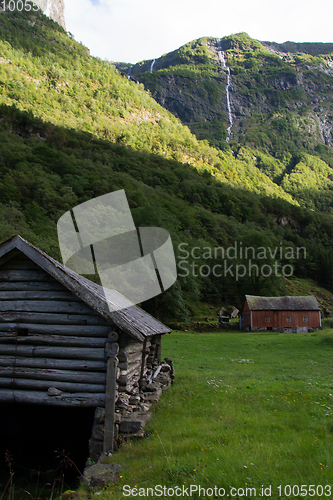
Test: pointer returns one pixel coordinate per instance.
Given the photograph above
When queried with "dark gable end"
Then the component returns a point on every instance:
(132, 320)
(287, 303)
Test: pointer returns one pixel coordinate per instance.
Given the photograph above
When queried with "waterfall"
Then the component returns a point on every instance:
(224, 66)
(152, 65)
(129, 73)
(47, 10)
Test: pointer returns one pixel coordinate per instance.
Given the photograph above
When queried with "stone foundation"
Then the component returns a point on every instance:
(132, 411)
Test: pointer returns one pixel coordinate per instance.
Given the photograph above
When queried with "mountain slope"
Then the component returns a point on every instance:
(281, 103)
(265, 79)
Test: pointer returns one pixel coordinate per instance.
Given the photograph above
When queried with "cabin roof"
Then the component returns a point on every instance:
(132, 320)
(287, 303)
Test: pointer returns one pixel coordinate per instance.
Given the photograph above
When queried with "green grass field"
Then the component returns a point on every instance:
(247, 410)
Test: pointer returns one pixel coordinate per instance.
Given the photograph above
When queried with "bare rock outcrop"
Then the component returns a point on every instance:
(54, 9)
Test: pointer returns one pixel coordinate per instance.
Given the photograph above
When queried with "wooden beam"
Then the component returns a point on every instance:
(44, 385)
(70, 353)
(73, 364)
(52, 319)
(53, 374)
(159, 348)
(11, 338)
(38, 295)
(70, 330)
(39, 397)
(46, 306)
(31, 285)
(110, 401)
(143, 361)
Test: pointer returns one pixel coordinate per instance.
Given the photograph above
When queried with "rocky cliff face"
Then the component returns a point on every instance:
(53, 9)
(282, 89)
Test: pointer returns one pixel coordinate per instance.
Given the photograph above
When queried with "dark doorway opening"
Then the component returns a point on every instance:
(44, 440)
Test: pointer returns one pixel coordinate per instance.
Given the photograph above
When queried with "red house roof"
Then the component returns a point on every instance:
(287, 303)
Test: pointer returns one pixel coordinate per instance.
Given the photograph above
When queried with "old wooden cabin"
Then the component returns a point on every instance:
(60, 345)
(293, 314)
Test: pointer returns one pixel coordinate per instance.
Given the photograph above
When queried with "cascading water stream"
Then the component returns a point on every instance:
(152, 65)
(47, 10)
(224, 66)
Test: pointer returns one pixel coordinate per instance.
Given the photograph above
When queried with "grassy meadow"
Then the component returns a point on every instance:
(247, 410)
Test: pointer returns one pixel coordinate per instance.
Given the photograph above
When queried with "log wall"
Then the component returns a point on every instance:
(52, 345)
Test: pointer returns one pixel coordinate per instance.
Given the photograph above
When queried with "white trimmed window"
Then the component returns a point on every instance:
(305, 319)
(288, 319)
(267, 319)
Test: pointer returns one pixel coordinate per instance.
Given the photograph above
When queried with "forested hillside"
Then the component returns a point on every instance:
(72, 128)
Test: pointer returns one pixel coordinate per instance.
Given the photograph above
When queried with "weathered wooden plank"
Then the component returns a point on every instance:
(44, 385)
(69, 353)
(110, 400)
(158, 348)
(47, 306)
(132, 348)
(52, 374)
(128, 382)
(72, 364)
(24, 275)
(11, 338)
(130, 358)
(65, 399)
(146, 324)
(31, 285)
(70, 330)
(134, 358)
(132, 369)
(153, 374)
(38, 295)
(52, 319)
(143, 360)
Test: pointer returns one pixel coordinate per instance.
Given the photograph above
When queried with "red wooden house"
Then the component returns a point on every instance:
(284, 314)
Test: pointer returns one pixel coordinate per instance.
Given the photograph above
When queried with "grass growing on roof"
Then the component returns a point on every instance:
(246, 410)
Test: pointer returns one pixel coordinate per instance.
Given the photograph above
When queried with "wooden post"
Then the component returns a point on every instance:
(143, 359)
(158, 350)
(111, 376)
